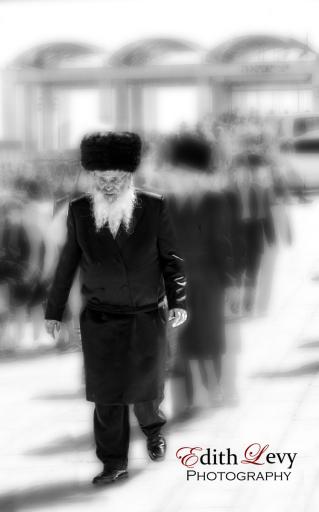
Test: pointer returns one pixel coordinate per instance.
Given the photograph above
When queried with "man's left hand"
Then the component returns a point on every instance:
(179, 316)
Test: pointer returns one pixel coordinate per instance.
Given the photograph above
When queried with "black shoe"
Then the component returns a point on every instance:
(156, 447)
(108, 476)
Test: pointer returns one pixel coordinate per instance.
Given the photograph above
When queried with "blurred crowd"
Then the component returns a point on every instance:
(33, 197)
(249, 189)
(250, 179)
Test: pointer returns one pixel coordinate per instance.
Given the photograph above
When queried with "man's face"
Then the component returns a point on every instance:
(111, 183)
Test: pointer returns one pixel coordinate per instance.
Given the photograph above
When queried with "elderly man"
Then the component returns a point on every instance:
(122, 240)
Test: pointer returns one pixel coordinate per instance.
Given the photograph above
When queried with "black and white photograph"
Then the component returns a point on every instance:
(159, 256)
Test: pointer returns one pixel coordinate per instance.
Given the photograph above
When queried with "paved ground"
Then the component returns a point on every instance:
(47, 457)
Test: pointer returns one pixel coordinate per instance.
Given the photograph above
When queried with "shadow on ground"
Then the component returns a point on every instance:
(85, 442)
(38, 496)
(31, 355)
(301, 371)
(309, 344)
(69, 444)
(79, 394)
(66, 444)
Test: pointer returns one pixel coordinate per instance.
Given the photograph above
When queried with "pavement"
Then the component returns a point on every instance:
(47, 451)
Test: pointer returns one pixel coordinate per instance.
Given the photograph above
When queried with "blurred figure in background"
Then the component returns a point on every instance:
(201, 219)
(21, 263)
(249, 195)
(26, 214)
(14, 256)
(30, 237)
(37, 217)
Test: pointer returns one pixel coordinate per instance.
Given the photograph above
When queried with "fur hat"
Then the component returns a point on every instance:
(189, 150)
(106, 151)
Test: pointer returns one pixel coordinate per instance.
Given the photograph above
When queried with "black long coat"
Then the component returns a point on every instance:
(123, 281)
(250, 235)
(203, 230)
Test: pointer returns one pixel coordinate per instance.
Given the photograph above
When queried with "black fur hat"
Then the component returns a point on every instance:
(106, 151)
(189, 150)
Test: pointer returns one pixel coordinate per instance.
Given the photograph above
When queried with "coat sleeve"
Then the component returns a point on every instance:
(172, 263)
(64, 274)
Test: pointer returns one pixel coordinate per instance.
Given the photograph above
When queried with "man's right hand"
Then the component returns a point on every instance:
(52, 327)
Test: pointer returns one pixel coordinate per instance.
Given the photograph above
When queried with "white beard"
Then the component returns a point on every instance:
(113, 213)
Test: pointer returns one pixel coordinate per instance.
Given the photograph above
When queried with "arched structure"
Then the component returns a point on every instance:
(274, 74)
(257, 72)
(34, 108)
(261, 48)
(156, 51)
(61, 54)
(149, 64)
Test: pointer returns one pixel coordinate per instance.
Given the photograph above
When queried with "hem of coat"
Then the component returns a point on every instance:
(98, 400)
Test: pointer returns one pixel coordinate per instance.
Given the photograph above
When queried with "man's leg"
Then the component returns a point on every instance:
(151, 420)
(112, 433)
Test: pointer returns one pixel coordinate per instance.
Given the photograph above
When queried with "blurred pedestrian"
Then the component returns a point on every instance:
(249, 195)
(201, 220)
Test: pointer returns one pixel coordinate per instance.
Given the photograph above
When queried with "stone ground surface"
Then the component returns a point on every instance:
(47, 455)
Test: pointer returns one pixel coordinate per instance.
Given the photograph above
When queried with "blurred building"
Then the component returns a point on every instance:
(54, 92)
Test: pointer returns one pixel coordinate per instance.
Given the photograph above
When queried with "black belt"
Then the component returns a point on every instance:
(122, 310)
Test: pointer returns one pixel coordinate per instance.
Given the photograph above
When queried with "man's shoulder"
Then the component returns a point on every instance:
(83, 201)
(149, 197)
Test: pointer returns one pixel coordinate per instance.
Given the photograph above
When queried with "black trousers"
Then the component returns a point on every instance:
(112, 429)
